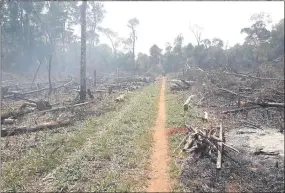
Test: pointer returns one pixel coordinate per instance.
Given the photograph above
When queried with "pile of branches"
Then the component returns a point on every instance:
(201, 142)
(257, 96)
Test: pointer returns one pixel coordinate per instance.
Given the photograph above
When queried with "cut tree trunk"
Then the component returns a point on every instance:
(186, 103)
(39, 127)
(220, 151)
(83, 53)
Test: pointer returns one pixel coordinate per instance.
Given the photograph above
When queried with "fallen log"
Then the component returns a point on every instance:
(219, 158)
(234, 93)
(39, 104)
(20, 95)
(8, 121)
(260, 151)
(25, 104)
(264, 104)
(65, 107)
(15, 95)
(178, 82)
(188, 83)
(175, 87)
(240, 109)
(39, 127)
(17, 113)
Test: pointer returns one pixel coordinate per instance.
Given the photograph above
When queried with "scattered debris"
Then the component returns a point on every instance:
(120, 98)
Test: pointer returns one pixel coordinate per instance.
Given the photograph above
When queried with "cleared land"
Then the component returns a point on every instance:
(115, 159)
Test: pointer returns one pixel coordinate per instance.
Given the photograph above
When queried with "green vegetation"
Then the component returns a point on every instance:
(34, 30)
(176, 118)
(116, 160)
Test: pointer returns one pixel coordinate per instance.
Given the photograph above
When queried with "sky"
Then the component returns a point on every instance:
(162, 21)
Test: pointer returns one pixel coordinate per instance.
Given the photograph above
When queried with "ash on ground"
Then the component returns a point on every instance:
(243, 172)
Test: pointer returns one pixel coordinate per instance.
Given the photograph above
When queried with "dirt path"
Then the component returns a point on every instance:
(160, 179)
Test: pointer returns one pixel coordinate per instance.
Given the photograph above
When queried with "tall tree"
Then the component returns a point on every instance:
(258, 35)
(143, 62)
(112, 36)
(95, 15)
(83, 52)
(155, 54)
(177, 51)
(197, 32)
(132, 24)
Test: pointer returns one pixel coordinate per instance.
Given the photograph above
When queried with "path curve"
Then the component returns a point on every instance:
(160, 179)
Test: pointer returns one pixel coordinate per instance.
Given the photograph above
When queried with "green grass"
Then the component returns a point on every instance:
(115, 161)
(176, 118)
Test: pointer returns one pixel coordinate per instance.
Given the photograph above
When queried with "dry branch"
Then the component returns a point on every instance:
(36, 72)
(253, 77)
(240, 109)
(203, 141)
(65, 107)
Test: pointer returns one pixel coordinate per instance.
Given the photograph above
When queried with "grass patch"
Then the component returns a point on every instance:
(176, 118)
(115, 161)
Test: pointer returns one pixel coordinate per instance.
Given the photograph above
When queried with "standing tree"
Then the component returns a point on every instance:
(177, 51)
(112, 36)
(132, 23)
(197, 32)
(143, 62)
(155, 57)
(83, 53)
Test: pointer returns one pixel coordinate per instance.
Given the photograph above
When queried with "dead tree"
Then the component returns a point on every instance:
(132, 25)
(83, 53)
(36, 73)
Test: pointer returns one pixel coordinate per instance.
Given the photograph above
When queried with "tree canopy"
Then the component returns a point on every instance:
(34, 30)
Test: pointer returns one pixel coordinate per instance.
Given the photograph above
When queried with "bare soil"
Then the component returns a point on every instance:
(160, 179)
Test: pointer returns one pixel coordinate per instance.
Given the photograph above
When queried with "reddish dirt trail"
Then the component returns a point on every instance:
(160, 179)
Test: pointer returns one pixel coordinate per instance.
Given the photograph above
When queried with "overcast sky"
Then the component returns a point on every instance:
(162, 21)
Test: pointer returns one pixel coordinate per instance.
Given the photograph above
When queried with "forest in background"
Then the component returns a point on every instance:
(32, 31)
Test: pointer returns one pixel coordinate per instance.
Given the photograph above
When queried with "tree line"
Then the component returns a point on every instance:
(34, 30)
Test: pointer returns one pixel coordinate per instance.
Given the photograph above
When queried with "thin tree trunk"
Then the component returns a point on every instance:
(40, 63)
(134, 60)
(83, 53)
(49, 73)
